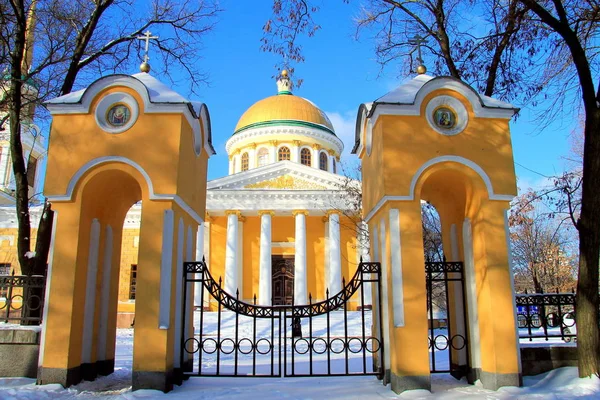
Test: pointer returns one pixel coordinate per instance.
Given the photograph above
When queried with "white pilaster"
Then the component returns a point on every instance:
(295, 150)
(90, 294)
(471, 295)
(300, 287)
(179, 292)
(272, 151)
(199, 255)
(265, 275)
(231, 266)
(334, 281)
(316, 149)
(330, 159)
(252, 157)
(231, 171)
(396, 253)
(166, 265)
(105, 296)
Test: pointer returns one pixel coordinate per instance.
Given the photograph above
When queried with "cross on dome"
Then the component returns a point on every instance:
(284, 83)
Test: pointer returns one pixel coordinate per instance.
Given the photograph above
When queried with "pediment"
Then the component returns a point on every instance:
(288, 182)
(284, 175)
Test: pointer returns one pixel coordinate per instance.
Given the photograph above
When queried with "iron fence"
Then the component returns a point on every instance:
(546, 316)
(21, 298)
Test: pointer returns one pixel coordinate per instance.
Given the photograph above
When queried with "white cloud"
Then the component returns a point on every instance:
(344, 124)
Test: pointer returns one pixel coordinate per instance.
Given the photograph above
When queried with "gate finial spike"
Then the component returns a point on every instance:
(361, 261)
(327, 293)
(254, 298)
(203, 259)
(343, 281)
(310, 298)
(237, 293)
(220, 280)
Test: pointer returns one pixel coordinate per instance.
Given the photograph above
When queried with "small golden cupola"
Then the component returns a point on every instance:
(283, 127)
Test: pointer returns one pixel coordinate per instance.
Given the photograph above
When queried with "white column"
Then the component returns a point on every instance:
(265, 275)
(316, 149)
(237, 163)
(330, 161)
(273, 151)
(295, 150)
(231, 267)
(240, 256)
(335, 263)
(300, 288)
(231, 171)
(199, 255)
(252, 156)
(471, 294)
(363, 242)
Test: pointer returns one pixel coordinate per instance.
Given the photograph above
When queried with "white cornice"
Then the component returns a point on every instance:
(270, 171)
(77, 103)
(300, 131)
(281, 201)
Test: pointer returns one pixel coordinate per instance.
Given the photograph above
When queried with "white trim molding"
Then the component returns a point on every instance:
(166, 266)
(457, 159)
(80, 102)
(103, 160)
(397, 279)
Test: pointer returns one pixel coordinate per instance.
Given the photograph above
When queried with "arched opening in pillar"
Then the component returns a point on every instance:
(128, 272)
(107, 194)
(449, 193)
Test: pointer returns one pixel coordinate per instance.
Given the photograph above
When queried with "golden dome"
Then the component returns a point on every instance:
(284, 109)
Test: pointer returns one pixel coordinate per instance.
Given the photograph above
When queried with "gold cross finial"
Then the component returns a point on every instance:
(419, 40)
(145, 67)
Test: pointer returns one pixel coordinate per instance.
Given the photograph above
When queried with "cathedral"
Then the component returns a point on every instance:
(279, 228)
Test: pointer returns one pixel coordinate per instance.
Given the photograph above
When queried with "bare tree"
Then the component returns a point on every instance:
(541, 247)
(533, 47)
(46, 47)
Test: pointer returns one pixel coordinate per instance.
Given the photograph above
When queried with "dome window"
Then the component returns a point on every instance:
(284, 154)
(263, 157)
(323, 161)
(245, 162)
(305, 157)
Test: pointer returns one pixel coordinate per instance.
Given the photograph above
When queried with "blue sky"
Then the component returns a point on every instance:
(339, 74)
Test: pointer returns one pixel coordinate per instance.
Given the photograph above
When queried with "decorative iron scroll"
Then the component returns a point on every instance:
(545, 316)
(448, 333)
(22, 298)
(320, 339)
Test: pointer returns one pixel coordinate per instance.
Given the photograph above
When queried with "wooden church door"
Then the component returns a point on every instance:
(282, 268)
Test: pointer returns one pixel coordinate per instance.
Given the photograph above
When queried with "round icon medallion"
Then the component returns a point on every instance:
(444, 117)
(118, 115)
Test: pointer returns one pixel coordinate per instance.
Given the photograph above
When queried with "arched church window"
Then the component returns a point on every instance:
(263, 157)
(323, 161)
(284, 154)
(245, 162)
(305, 157)
(334, 167)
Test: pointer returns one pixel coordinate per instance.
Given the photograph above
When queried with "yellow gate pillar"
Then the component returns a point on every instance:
(437, 140)
(123, 140)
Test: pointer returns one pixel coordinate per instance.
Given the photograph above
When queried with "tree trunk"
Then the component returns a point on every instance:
(588, 340)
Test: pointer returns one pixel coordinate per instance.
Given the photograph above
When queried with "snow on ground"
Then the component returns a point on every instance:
(560, 384)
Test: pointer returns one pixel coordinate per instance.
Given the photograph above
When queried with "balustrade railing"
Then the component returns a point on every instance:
(21, 299)
(546, 317)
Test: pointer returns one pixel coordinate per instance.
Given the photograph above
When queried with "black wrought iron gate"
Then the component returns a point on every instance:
(446, 308)
(236, 338)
